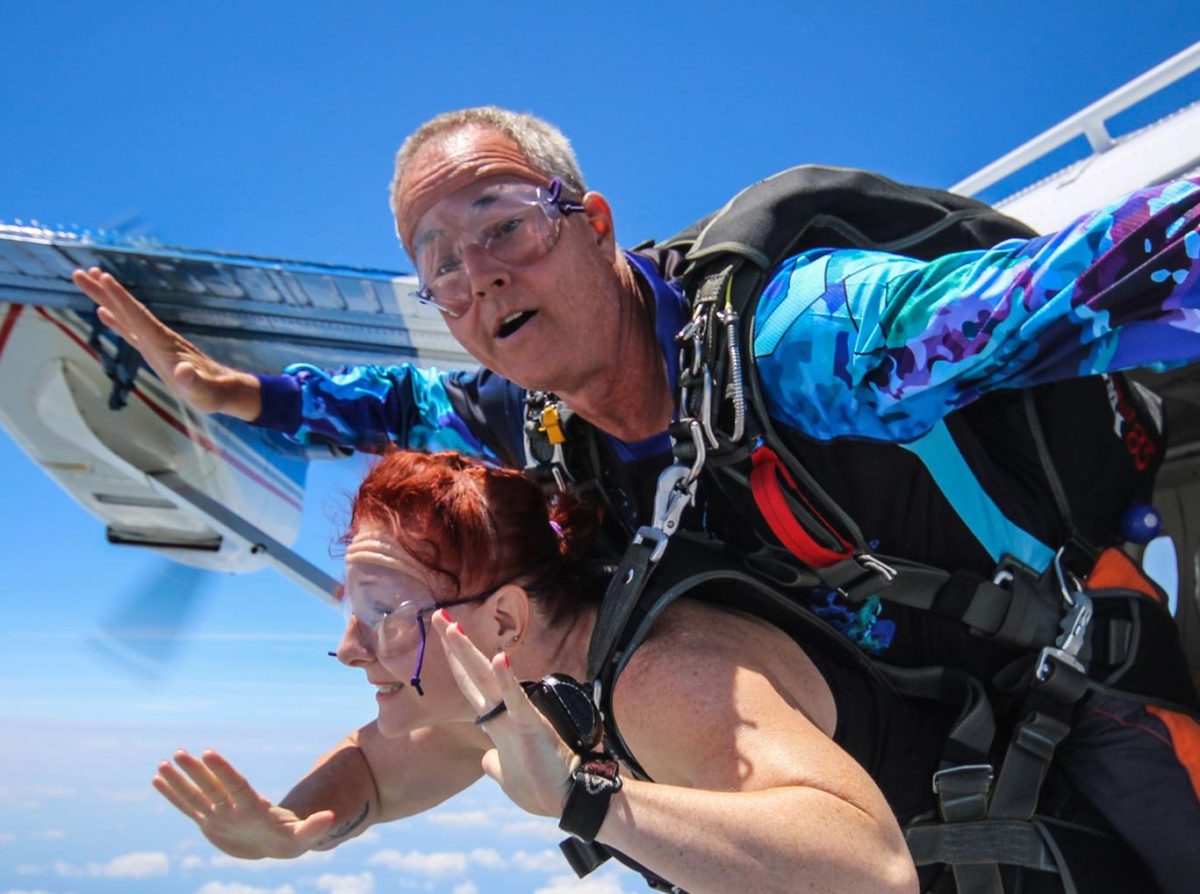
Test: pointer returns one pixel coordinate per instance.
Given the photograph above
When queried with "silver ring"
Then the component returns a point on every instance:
(491, 713)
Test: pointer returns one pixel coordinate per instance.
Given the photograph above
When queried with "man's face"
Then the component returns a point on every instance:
(549, 324)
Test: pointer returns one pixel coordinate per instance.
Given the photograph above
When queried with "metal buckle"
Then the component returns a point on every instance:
(1069, 643)
(675, 492)
(973, 771)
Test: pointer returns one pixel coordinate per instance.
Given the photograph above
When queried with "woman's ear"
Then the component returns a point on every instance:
(511, 612)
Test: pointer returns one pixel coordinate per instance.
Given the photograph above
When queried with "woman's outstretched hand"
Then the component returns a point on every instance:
(192, 375)
(529, 760)
(231, 814)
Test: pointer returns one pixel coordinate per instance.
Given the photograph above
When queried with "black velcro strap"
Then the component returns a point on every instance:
(979, 844)
(585, 857)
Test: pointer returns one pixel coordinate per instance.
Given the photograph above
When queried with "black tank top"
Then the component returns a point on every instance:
(897, 740)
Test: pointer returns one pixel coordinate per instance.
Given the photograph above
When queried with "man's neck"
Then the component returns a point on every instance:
(631, 399)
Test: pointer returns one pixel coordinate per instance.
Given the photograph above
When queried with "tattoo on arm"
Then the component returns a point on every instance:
(346, 828)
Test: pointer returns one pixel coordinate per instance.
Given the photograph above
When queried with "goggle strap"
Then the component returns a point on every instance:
(415, 680)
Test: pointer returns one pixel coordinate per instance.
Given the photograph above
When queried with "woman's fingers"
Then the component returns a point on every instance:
(238, 790)
(313, 828)
(470, 667)
(168, 783)
(204, 778)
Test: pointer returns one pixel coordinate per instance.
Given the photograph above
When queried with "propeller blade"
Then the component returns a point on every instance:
(144, 634)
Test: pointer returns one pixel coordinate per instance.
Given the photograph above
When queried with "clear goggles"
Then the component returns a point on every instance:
(516, 223)
(392, 610)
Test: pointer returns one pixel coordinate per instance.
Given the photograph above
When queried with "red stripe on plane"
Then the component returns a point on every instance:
(10, 320)
(176, 424)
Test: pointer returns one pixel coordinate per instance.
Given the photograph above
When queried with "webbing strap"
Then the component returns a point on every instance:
(1025, 765)
(618, 603)
(979, 844)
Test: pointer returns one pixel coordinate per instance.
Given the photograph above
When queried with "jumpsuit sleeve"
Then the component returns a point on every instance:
(859, 343)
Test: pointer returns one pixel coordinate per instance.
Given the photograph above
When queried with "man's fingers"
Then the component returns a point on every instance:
(238, 789)
(109, 319)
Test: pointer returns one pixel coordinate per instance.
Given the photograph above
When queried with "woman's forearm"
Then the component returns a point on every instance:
(341, 781)
(776, 840)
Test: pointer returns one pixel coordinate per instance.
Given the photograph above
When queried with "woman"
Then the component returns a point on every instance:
(460, 583)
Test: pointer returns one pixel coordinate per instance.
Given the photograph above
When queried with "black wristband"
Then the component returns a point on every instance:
(593, 783)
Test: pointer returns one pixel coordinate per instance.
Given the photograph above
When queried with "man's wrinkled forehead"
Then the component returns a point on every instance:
(474, 199)
(450, 162)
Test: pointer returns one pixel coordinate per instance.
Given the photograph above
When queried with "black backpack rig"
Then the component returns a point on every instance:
(987, 808)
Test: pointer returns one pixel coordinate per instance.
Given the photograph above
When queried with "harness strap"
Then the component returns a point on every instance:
(1025, 765)
(980, 843)
(620, 599)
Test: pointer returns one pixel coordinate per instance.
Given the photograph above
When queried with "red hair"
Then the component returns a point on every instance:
(480, 525)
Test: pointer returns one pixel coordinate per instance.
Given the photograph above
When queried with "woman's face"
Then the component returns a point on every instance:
(388, 596)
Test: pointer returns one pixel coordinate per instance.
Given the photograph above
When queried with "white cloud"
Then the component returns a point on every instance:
(6, 837)
(142, 864)
(363, 883)
(543, 861)
(487, 858)
(191, 861)
(125, 795)
(51, 835)
(434, 864)
(465, 888)
(465, 819)
(239, 888)
(224, 861)
(568, 884)
(536, 828)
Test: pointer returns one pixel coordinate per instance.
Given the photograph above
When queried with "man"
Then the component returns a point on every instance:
(900, 384)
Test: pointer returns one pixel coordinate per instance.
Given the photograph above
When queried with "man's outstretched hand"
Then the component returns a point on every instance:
(231, 814)
(192, 375)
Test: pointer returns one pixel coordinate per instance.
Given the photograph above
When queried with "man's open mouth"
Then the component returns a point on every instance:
(513, 322)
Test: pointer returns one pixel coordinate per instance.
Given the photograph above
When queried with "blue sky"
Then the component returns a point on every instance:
(269, 128)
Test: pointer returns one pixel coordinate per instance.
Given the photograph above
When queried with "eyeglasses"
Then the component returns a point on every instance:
(390, 627)
(515, 223)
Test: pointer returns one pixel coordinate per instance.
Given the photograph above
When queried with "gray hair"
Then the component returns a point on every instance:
(545, 146)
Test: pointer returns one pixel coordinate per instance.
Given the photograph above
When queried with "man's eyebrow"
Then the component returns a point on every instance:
(483, 201)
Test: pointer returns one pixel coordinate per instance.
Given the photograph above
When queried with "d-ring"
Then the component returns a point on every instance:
(491, 714)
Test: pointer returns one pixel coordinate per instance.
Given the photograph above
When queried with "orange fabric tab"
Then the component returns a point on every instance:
(1185, 738)
(1114, 569)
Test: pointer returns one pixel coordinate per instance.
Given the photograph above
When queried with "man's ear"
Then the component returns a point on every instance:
(599, 217)
(511, 612)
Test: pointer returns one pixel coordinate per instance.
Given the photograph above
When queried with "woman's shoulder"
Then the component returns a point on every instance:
(705, 665)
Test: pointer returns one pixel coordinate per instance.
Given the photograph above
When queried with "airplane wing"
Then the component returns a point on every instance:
(257, 313)
(210, 492)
